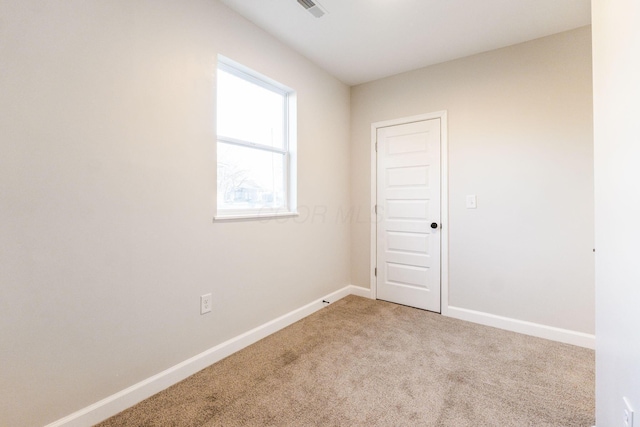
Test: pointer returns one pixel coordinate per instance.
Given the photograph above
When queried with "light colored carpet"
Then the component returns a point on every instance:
(362, 362)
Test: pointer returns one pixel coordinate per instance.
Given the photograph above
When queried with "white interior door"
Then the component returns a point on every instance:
(408, 206)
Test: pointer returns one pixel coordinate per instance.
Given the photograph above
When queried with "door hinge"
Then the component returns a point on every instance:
(375, 272)
(376, 147)
(375, 208)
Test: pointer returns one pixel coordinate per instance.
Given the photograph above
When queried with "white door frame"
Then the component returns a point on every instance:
(444, 202)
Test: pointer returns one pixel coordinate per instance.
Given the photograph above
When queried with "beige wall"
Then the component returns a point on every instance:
(107, 180)
(521, 140)
(616, 97)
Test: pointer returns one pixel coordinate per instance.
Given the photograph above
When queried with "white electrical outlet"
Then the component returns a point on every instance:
(205, 304)
(628, 413)
(472, 202)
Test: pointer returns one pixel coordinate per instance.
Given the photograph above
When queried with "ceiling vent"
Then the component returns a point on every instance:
(313, 7)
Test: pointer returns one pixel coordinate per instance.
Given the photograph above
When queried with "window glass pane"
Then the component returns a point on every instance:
(249, 112)
(250, 178)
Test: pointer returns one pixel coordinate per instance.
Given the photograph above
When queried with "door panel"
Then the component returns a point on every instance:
(407, 243)
(410, 177)
(407, 210)
(408, 198)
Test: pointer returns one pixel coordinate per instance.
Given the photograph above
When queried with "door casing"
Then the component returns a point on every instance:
(444, 202)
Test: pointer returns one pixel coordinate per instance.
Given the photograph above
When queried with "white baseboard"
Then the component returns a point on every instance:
(566, 336)
(128, 397)
(358, 291)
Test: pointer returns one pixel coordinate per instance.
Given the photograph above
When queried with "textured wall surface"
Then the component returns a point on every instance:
(616, 97)
(107, 178)
(521, 140)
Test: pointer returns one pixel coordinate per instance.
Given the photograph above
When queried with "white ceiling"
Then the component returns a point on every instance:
(363, 40)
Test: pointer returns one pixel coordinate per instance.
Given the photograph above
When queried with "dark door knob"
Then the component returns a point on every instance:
(434, 225)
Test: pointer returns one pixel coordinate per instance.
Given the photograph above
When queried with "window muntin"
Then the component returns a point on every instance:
(256, 165)
(250, 112)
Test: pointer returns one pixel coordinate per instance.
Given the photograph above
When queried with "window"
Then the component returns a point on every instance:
(256, 144)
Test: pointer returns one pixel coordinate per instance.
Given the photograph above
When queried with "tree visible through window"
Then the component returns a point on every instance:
(256, 167)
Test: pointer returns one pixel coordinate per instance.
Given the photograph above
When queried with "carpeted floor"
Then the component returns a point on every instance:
(362, 362)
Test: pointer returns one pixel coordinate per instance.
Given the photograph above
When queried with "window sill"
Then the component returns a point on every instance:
(252, 216)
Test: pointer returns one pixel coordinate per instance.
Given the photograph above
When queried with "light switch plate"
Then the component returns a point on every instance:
(472, 202)
(628, 413)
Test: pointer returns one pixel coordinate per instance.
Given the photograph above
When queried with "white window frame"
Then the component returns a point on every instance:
(288, 152)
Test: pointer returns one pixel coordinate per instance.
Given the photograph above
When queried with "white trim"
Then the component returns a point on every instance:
(248, 144)
(289, 151)
(444, 200)
(128, 397)
(566, 336)
(359, 291)
(241, 216)
(242, 71)
(373, 239)
(444, 212)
